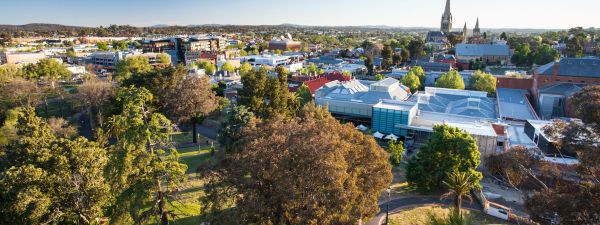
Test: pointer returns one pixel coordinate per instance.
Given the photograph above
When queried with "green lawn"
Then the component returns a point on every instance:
(186, 204)
(186, 137)
(420, 215)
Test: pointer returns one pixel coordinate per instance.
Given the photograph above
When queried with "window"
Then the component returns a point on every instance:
(500, 144)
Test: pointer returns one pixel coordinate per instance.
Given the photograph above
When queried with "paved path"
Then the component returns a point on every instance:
(400, 203)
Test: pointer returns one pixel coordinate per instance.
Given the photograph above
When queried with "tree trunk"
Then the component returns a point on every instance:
(164, 219)
(194, 131)
(458, 203)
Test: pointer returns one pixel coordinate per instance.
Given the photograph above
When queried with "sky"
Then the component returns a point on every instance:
(544, 14)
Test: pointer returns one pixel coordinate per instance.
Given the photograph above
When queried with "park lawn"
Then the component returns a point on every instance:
(399, 186)
(420, 215)
(186, 204)
(186, 137)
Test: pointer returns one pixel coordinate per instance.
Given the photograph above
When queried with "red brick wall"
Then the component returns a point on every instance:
(514, 83)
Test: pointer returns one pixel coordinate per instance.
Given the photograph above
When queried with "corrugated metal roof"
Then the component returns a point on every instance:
(482, 50)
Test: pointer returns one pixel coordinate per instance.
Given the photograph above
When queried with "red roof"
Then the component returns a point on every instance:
(337, 76)
(315, 84)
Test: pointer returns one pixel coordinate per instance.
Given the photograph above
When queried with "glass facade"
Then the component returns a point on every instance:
(385, 121)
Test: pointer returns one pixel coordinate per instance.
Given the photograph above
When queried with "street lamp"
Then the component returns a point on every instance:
(387, 206)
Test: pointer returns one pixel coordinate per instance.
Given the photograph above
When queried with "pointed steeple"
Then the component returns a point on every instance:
(447, 11)
(477, 31)
(446, 25)
(464, 34)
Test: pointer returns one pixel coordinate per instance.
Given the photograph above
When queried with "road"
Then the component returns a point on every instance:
(400, 203)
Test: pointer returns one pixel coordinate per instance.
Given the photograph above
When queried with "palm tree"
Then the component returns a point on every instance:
(459, 185)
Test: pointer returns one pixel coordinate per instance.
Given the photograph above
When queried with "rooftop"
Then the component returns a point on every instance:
(573, 67)
(482, 50)
(513, 104)
(457, 102)
(566, 89)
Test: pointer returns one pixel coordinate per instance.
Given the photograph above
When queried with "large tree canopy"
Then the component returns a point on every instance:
(306, 170)
(481, 81)
(448, 149)
(452, 80)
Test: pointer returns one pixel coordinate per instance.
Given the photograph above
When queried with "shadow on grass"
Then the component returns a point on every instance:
(192, 220)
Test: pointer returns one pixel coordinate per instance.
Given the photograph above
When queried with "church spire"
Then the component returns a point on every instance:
(446, 25)
(477, 31)
(447, 11)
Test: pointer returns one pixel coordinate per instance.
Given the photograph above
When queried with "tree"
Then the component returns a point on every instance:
(386, 54)
(452, 80)
(454, 218)
(189, 100)
(102, 46)
(396, 149)
(379, 77)
(522, 55)
(9, 72)
(282, 71)
(267, 96)
(448, 149)
(369, 65)
(119, 45)
(227, 67)
(459, 185)
(71, 53)
(61, 128)
(411, 81)
(568, 204)
(304, 95)
(279, 171)
(48, 69)
(163, 58)
(575, 46)
(47, 179)
(143, 169)
(229, 130)
(132, 66)
(455, 39)
(245, 68)
(20, 93)
(481, 81)
(416, 48)
(94, 96)
(545, 54)
(503, 36)
(397, 59)
(208, 67)
(417, 70)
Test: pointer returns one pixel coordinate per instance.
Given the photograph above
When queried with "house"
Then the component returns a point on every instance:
(486, 53)
(534, 129)
(552, 100)
(571, 70)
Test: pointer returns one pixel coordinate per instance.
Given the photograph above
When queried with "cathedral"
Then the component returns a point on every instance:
(440, 39)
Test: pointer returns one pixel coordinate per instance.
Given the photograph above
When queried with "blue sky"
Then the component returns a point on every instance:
(403, 13)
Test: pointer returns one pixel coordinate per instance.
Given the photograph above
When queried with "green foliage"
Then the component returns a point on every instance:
(481, 81)
(522, 55)
(304, 95)
(48, 69)
(71, 53)
(454, 218)
(266, 96)
(282, 71)
(411, 81)
(575, 46)
(143, 169)
(459, 185)
(369, 65)
(396, 150)
(229, 131)
(379, 77)
(227, 67)
(132, 66)
(164, 59)
(119, 45)
(419, 72)
(219, 88)
(386, 54)
(452, 80)
(448, 149)
(545, 54)
(46, 179)
(102, 46)
(9, 72)
(208, 67)
(245, 68)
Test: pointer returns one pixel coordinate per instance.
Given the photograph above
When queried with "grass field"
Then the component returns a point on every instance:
(420, 215)
(187, 205)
